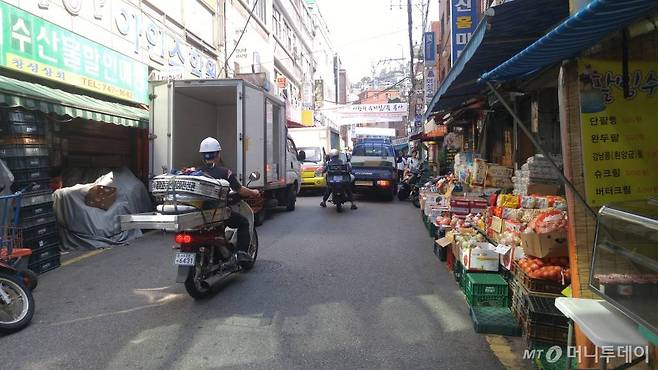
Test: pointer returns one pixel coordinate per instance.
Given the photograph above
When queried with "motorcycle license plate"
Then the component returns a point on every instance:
(184, 259)
(337, 178)
(363, 183)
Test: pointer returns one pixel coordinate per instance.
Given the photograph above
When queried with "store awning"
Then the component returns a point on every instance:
(16, 93)
(505, 30)
(580, 31)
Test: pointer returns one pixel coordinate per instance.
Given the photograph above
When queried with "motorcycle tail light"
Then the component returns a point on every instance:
(384, 183)
(182, 238)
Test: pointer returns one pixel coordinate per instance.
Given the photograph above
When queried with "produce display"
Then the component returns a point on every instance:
(552, 268)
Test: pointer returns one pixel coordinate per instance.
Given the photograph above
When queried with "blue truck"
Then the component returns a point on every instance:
(374, 167)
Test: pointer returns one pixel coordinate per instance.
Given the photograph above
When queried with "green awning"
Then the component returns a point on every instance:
(16, 93)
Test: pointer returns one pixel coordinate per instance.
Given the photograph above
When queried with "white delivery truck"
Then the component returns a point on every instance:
(315, 142)
(249, 123)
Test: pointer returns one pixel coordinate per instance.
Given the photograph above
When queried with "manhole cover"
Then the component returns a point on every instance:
(266, 266)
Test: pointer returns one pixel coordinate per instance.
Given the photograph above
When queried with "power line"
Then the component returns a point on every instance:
(244, 29)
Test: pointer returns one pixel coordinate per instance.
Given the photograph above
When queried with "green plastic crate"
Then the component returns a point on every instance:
(494, 320)
(458, 272)
(489, 290)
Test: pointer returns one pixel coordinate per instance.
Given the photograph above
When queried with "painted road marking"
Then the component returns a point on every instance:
(82, 257)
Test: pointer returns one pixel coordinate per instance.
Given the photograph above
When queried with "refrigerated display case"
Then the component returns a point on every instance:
(624, 268)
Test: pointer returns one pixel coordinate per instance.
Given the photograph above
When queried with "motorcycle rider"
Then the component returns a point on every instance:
(334, 159)
(210, 150)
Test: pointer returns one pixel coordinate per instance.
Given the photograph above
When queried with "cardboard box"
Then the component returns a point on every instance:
(543, 189)
(482, 257)
(545, 245)
(479, 172)
(497, 224)
(513, 254)
(100, 196)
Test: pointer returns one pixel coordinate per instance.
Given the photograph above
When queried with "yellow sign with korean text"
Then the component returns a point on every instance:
(619, 130)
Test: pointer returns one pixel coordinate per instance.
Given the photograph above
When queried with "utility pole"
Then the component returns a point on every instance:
(412, 103)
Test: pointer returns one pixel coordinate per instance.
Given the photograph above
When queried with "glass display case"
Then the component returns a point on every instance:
(624, 267)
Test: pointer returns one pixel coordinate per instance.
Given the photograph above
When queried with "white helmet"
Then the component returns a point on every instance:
(209, 145)
(333, 153)
(210, 148)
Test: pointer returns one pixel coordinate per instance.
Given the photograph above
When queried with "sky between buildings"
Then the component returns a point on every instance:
(365, 31)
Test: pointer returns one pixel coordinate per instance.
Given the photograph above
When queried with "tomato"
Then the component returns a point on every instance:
(539, 262)
(534, 267)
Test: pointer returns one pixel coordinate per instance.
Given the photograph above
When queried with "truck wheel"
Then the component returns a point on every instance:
(291, 198)
(259, 217)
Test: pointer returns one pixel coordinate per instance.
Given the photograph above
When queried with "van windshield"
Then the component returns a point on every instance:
(373, 150)
(313, 154)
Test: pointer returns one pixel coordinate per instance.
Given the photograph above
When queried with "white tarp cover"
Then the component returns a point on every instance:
(84, 227)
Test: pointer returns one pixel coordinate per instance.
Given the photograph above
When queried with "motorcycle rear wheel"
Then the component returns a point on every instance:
(339, 207)
(193, 282)
(403, 194)
(10, 321)
(416, 202)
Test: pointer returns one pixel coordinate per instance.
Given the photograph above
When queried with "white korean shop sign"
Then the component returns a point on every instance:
(34, 46)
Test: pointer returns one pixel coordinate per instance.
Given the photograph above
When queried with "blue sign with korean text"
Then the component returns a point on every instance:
(464, 20)
(430, 48)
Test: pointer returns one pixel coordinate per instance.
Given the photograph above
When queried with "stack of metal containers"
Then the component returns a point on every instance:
(24, 148)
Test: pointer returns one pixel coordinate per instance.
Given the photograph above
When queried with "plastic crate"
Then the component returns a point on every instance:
(543, 310)
(458, 273)
(440, 252)
(39, 231)
(38, 186)
(37, 198)
(35, 211)
(23, 128)
(22, 140)
(42, 241)
(537, 286)
(30, 150)
(494, 320)
(486, 290)
(535, 331)
(31, 174)
(24, 163)
(45, 253)
(45, 265)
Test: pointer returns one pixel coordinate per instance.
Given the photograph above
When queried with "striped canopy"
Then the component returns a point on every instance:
(16, 93)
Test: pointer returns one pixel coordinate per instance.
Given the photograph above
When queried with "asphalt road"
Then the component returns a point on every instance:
(357, 290)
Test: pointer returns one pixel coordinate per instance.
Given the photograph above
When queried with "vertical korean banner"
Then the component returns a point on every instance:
(619, 133)
(429, 48)
(29, 44)
(463, 15)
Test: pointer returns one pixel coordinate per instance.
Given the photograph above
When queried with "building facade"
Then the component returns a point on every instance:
(118, 46)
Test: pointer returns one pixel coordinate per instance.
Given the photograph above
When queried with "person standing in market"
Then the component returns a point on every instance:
(402, 163)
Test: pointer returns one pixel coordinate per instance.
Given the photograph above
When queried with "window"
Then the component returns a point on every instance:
(373, 150)
(276, 15)
(313, 154)
(259, 11)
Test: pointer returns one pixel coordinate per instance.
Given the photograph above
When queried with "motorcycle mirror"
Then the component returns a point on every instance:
(254, 176)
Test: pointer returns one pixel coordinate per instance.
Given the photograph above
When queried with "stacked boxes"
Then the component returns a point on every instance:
(24, 147)
(537, 176)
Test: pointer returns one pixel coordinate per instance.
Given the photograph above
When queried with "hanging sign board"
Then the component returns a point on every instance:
(619, 133)
(430, 48)
(463, 22)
